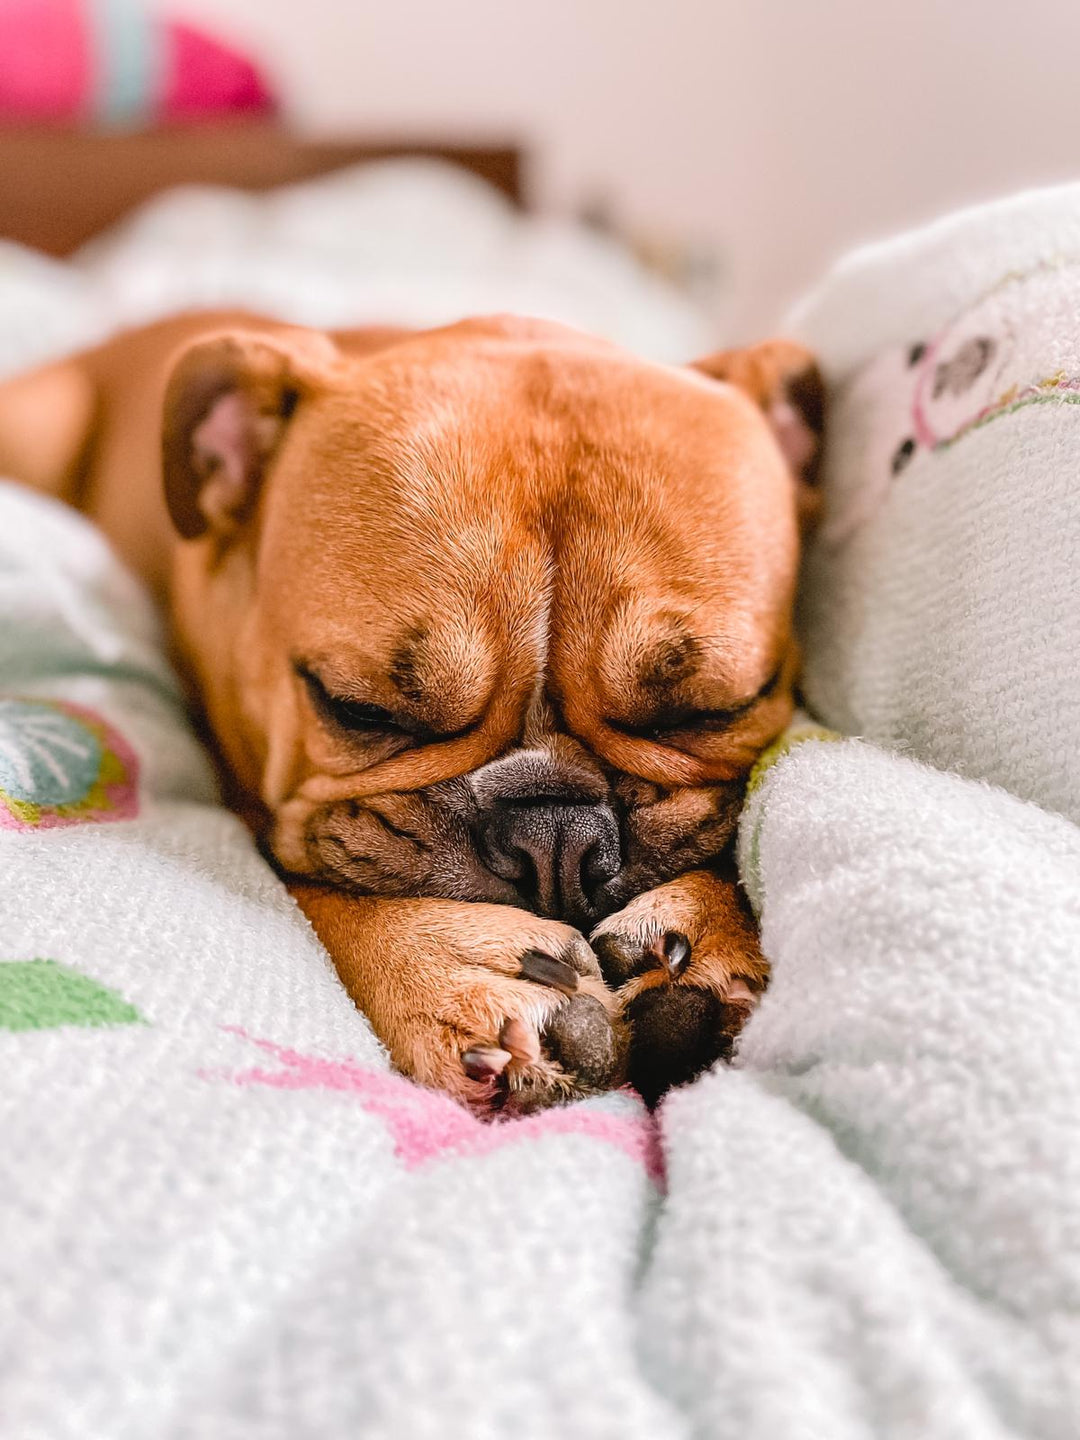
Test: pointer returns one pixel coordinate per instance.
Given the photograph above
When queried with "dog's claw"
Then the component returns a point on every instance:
(523, 1043)
(546, 970)
(674, 953)
(484, 1062)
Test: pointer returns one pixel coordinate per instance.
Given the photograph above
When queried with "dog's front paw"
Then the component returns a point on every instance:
(505, 1010)
(689, 972)
(522, 1019)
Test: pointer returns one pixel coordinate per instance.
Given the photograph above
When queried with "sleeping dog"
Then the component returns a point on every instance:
(488, 625)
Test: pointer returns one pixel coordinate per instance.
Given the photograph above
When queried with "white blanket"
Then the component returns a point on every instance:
(223, 1216)
(403, 242)
(228, 1219)
(940, 606)
(203, 1145)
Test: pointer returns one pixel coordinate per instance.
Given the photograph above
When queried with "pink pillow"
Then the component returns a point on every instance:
(109, 61)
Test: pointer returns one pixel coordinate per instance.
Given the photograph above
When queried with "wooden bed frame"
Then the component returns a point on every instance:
(59, 187)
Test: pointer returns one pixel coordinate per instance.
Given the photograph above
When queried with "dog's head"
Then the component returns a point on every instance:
(496, 613)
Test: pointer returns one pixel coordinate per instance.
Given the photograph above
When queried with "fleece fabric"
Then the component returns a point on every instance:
(224, 1218)
(940, 607)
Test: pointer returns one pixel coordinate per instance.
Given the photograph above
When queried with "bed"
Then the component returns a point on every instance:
(225, 1216)
(62, 186)
(106, 231)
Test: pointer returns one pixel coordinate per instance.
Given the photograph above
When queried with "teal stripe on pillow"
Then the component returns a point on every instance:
(129, 58)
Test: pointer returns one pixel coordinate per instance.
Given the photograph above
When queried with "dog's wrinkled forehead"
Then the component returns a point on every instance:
(493, 495)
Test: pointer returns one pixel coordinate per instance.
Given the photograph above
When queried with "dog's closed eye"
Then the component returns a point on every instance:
(348, 715)
(356, 716)
(362, 718)
(673, 719)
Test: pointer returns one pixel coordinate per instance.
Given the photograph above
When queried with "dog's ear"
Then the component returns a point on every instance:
(227, 404)
(782, 378)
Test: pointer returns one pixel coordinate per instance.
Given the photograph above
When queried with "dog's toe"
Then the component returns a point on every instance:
(625, 955)
(586, 1042)
(554, 1049)
(678, 1031)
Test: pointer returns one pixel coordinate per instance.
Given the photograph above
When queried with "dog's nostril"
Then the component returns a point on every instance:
(599, 864)
(556, 856)
(526, 877)
(502, 857)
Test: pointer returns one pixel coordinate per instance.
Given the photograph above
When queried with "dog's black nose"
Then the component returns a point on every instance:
(557, 853)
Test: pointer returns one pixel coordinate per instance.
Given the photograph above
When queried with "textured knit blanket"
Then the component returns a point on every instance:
(224, 1217)
(941, 608)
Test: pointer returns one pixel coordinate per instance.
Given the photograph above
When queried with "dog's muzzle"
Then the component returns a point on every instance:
(549, 830)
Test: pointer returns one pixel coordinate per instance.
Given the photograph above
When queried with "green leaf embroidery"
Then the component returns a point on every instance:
(41, 994)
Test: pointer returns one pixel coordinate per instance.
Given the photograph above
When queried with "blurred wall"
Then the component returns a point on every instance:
(780, 131)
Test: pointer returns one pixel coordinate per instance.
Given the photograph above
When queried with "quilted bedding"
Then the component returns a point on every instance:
(225, 1217)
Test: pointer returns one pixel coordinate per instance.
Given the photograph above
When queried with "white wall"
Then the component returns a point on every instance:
(781, 130)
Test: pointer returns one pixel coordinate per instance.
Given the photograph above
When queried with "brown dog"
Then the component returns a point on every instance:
(489, 624)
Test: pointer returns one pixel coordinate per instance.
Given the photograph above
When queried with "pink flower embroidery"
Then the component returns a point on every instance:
(426, 1125)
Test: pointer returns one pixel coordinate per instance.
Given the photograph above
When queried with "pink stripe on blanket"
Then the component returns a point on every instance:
(427, 1126)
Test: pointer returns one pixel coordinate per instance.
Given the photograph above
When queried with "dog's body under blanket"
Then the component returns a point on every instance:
(228, 1218)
